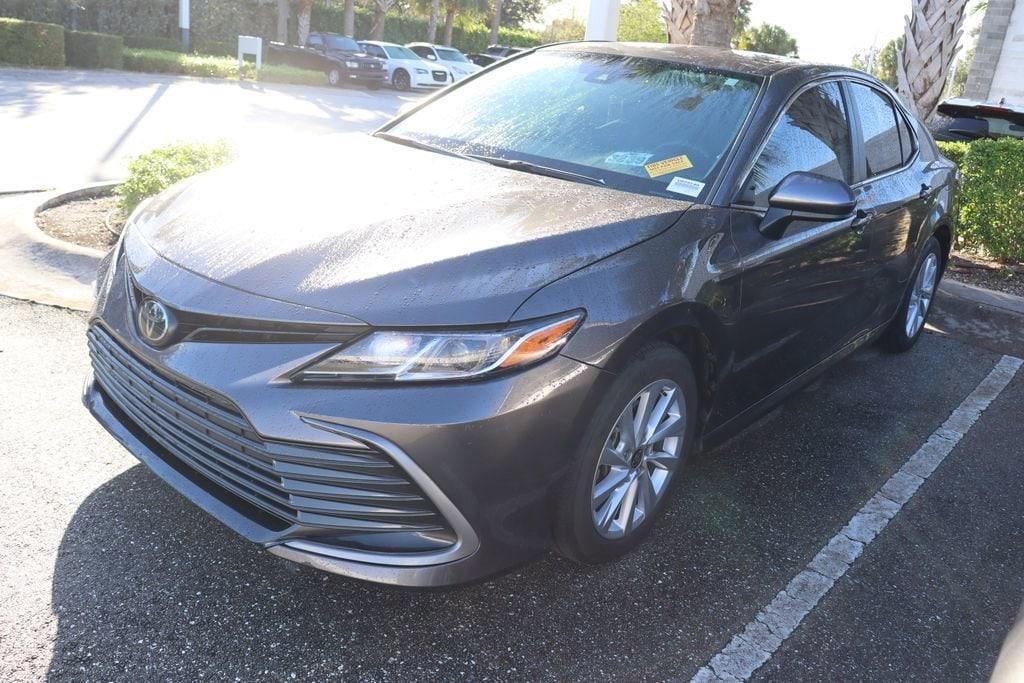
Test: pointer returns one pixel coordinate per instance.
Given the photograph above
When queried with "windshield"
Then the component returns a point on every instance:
(396, 52)
(451, 55)
(342, 43)
(639, 125)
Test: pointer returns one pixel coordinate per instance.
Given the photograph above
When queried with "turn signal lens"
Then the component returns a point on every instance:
(539, 344)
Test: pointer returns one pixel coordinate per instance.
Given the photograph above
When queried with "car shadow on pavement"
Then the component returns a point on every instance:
(148, 586)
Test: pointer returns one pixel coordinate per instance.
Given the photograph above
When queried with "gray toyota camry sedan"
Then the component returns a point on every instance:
(509, 321)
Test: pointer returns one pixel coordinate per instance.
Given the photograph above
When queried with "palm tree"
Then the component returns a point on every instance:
(932, 36)
(701, 22)
(380, 13)
(350, 18)
(435, 10)
(284, 11)
(305, 9)
(495, 22)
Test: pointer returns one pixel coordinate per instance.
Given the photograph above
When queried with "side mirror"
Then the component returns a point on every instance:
(805, 196)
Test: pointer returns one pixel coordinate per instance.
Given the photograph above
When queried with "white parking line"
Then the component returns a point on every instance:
(758, 641)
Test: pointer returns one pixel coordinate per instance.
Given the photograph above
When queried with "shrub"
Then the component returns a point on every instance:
(30, 43)
(992, 199)
(954, 151)
(278, 73)
(165, 62)
(155, 171)
(154, 43)
(93, 50)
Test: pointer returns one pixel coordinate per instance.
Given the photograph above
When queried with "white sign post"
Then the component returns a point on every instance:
(250, 45)
(183, 22)
(603, 20)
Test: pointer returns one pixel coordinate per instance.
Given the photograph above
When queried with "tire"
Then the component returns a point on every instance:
(581, 510)
(400, 79)
(902, 333)
(334, 77)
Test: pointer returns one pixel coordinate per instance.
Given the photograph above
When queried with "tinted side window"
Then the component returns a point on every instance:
(878, 124)
(813, 135)
(314, 40)
(422, 51)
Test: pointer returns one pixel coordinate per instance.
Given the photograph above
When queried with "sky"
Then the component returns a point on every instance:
(829, 31)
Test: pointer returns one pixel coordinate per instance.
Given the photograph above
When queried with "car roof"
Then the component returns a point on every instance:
(736, 61)
(381, 43)
(433, 45)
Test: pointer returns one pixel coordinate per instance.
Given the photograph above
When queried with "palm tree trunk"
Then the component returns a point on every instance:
(283, 12)
(932, 36)
(435, 9)
(379, 15)
(679, 17)
(714, 22)
(350, 18)
(305, 10)
(449, 23)
(495, 22)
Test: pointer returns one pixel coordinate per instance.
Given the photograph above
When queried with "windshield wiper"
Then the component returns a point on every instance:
(416, 144)
(529, 167)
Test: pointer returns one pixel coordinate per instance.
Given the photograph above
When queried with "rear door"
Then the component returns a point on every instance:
(894, 188)
(803, 293)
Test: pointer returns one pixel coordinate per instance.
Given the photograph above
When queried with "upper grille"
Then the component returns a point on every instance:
(344, 490)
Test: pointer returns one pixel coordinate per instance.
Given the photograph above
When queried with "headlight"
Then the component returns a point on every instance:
(460, 71)
(406, 356)
(421, 71)
(352, 65)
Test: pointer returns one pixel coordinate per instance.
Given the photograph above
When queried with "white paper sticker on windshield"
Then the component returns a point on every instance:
(691, 188)
(627, 158)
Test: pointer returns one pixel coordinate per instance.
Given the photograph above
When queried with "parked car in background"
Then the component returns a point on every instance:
(337, 55)
(457, 62)
(600, 258)
(962, 119)
(494, 53)
(405, 69)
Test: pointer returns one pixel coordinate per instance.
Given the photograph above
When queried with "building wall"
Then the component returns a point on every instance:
(994, 31)
(1008, 79)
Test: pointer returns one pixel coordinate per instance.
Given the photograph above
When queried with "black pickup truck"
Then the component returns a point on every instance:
(337, 55)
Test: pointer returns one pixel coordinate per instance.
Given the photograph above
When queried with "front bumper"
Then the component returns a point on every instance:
(490, 455)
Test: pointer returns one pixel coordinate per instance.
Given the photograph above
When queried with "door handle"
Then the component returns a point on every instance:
(861, 219)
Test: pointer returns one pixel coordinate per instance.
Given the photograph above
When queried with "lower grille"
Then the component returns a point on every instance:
(440, 76)
(357, 490)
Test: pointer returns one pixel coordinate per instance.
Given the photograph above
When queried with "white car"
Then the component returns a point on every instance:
(448, 56)
(405, 69)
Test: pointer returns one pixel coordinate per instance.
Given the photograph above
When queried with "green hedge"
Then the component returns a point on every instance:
(93, 50)
(30, 43)
(992, 198)
(155, 171)
(466, 36)
(167, 62)
(153, 43)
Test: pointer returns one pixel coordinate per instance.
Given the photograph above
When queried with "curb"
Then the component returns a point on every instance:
(37, 267)
(985, 297)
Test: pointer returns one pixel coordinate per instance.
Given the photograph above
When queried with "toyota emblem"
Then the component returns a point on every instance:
(156, 324)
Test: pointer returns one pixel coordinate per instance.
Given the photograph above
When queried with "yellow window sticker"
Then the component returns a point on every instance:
(670, 165)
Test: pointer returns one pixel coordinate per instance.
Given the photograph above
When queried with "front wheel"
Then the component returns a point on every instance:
(908, 325)
(401, 80)
(334, 77)
(629, 458)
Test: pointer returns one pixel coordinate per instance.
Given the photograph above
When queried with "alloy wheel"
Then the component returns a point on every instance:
(334, 77)
(921, 295)
(638, 459)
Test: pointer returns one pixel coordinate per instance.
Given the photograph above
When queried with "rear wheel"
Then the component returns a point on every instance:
(401, 80)
(908, 325)
(630, 457)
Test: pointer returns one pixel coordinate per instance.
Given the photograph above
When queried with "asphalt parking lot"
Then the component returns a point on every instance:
(110, 575)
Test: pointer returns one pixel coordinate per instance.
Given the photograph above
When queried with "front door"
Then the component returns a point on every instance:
(804, 294)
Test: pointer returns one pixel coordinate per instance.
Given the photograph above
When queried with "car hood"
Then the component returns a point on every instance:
(393, 235)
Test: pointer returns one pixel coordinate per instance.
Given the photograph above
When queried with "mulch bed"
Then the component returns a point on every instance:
(976, 270)
(82, 222)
